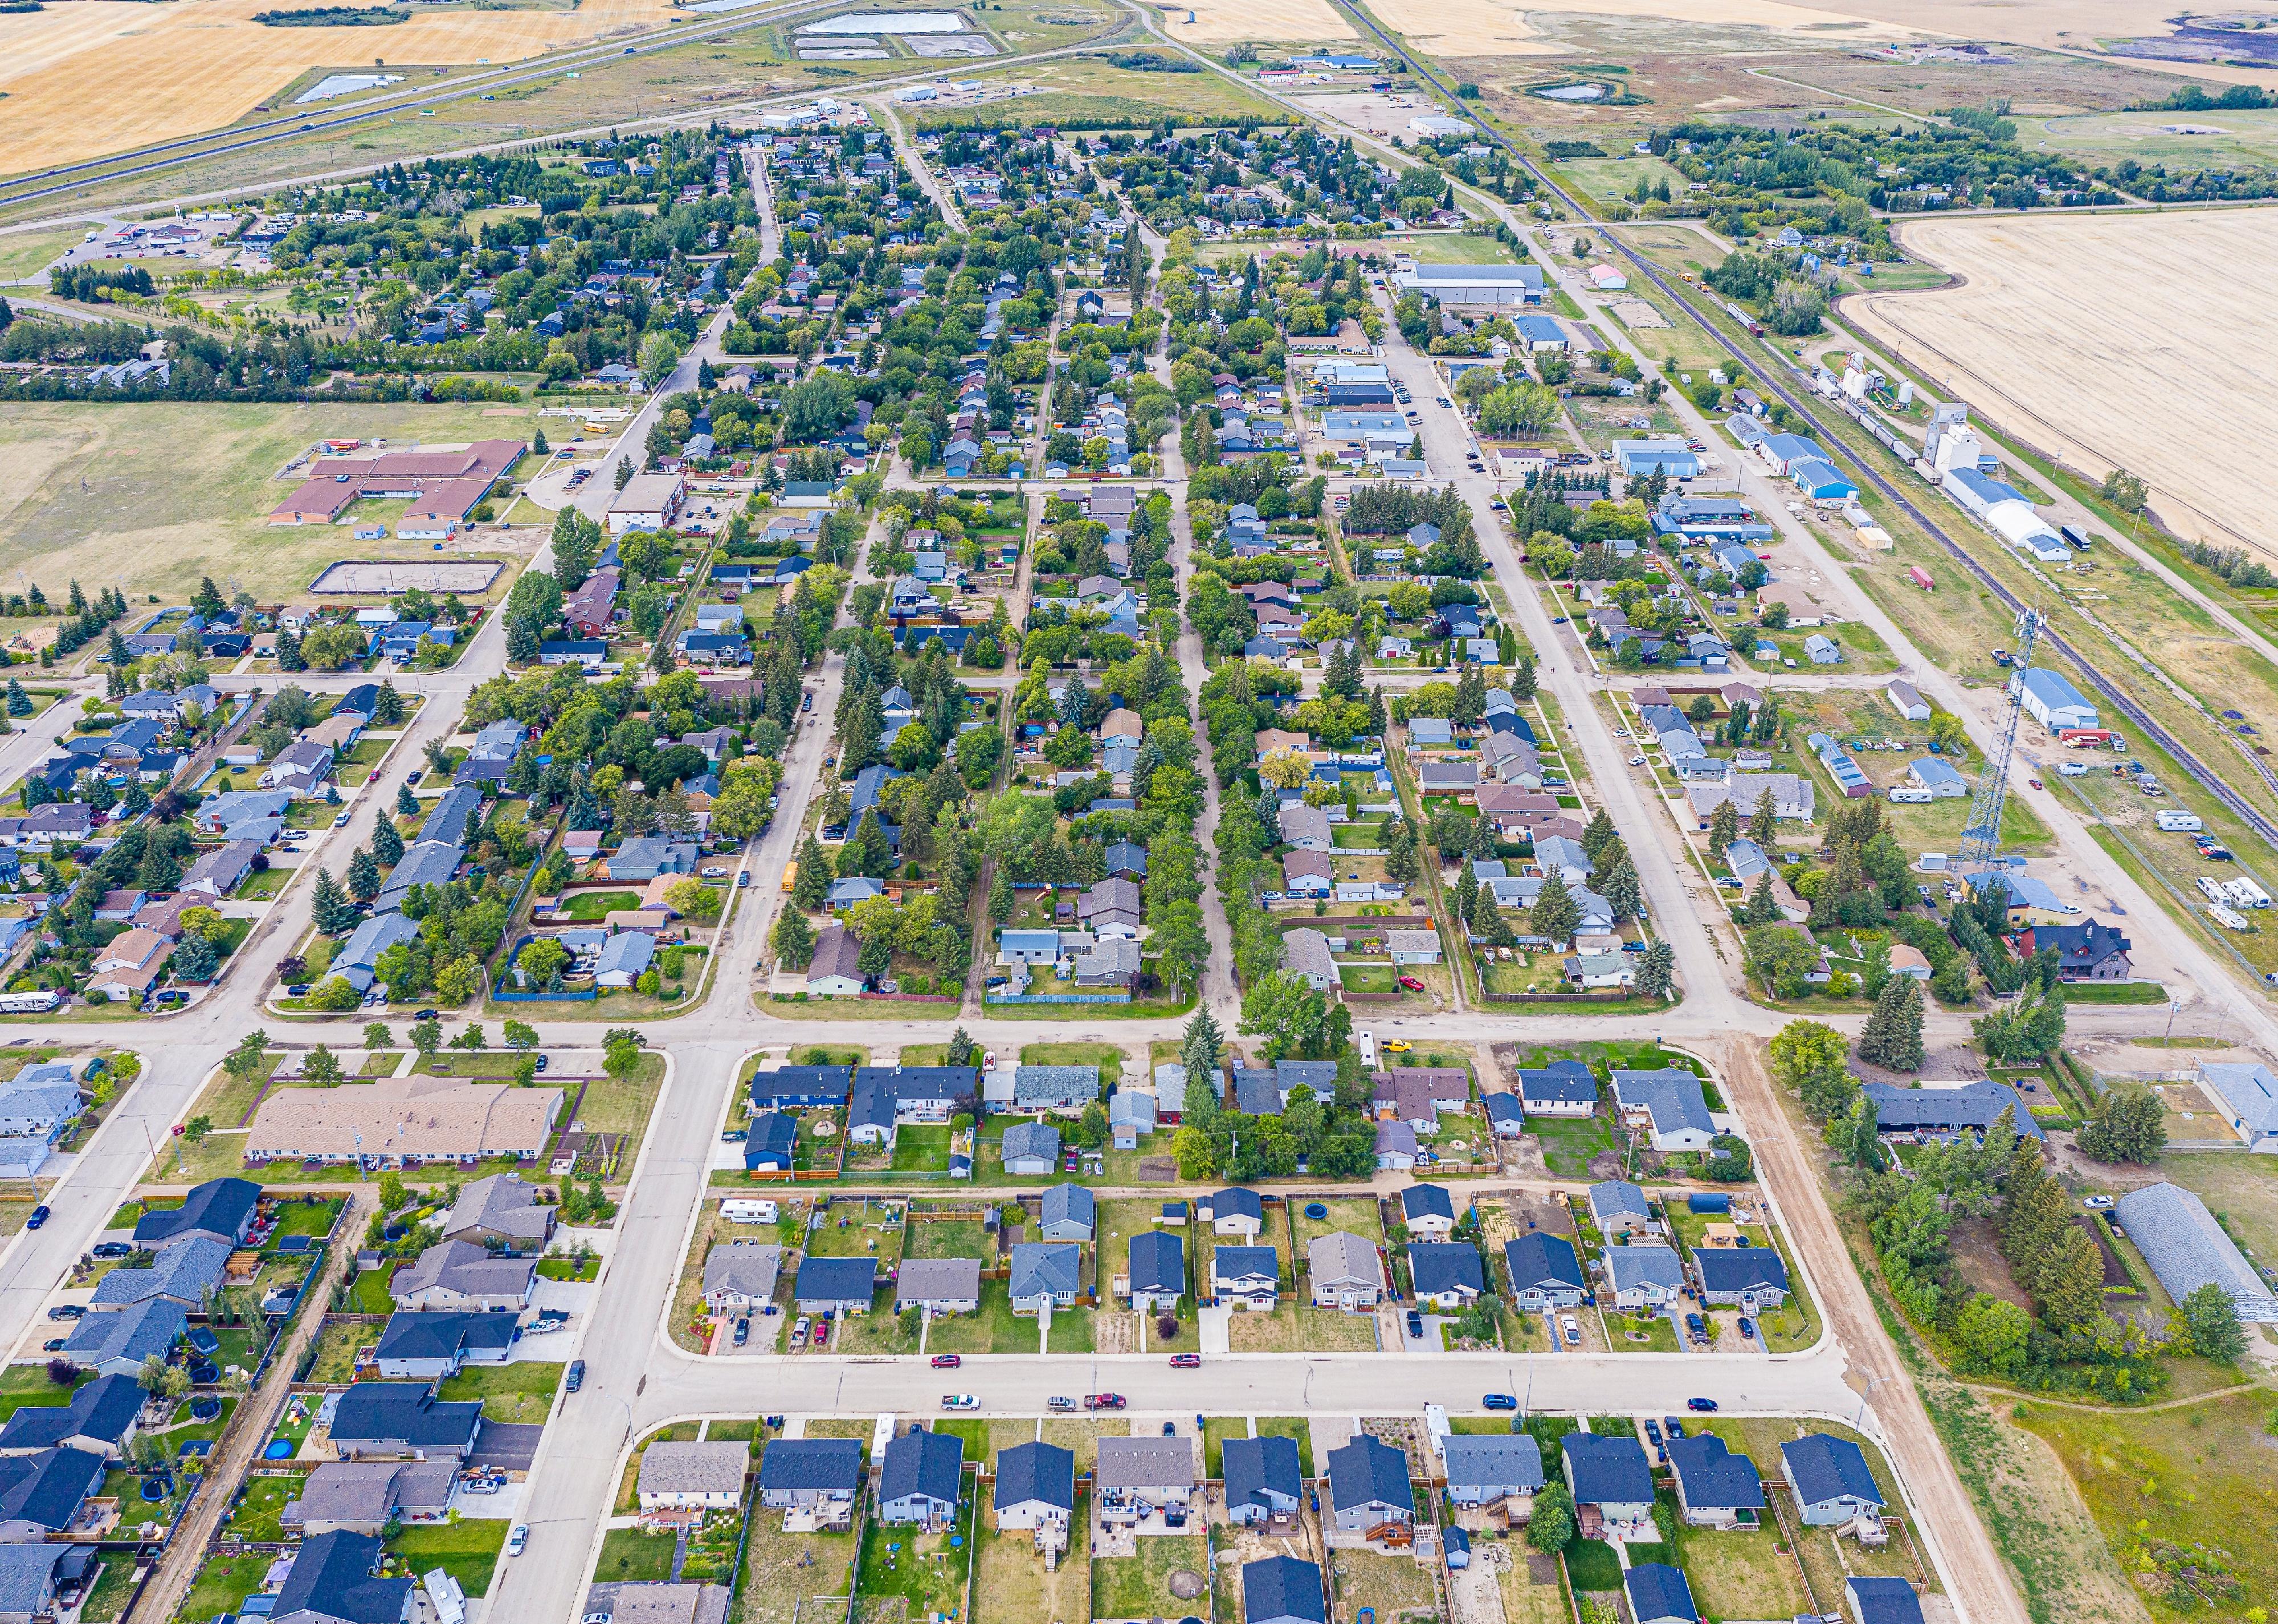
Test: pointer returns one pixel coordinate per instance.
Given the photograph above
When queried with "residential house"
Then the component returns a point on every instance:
(222, 1207)
(1344, 1271)
(1619, 1208)
(1749, 1278)
(834, 970)
(1065, 1212)
(1448, 1274)
(938, 1285)
(1054, 1088)
(1234, 1211)
(1563, 1088)
(1428, 1211)
(2248, 1095)
(1246, 1276)
(1487, 1467)
(460, 1274)
(1545, 1273)
(1610, 1481)
(1669, 1103)
(1031, 1148)
(918, 1482)
(821, 1476)
(1645, 1278)
(1305, 953)
(1158, 1272)
(189, 1271)
(1283, 1589)
(1044, 1272)
(1716, 1489)
(1881, 1601)
(1369, 1485)
(1263, 1480)
(115, 1341)
(502, 1212)
(403, 1418)
(430, 1347)
(1659, 1594)
(741, 1276)
(835, 1286)
(1137, 1474)
(364, 1496)
(1036, 1489)
(333, 1580)
(1830, 1480)
(101, 1418)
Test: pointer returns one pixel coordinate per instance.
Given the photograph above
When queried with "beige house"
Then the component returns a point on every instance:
(404, 1121)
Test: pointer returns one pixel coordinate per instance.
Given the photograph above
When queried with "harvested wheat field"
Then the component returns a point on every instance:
(90, 77)
(1222, 22)
(1466, 28)
(2111, 338)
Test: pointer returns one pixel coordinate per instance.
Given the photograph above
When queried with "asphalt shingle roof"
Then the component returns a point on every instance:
(1714, 1477)
(920, 1462)
(1829, 1468)
(1539, 1260)
(1608, 1468)
(821, 1464)
(1036, 1471)
(1439, 1267)
(1367, 1470)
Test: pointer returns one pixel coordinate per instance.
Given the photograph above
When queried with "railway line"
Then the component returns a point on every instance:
(2174, 748)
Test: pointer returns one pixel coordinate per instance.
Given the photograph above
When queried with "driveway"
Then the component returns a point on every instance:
(509, 1448)
(1212, 1324)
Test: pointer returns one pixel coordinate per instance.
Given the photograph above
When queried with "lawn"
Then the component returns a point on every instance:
(784, 1571)
(114, 1586)
(592, 906)
(337, 1343)
(1368, 977)
(1391, 1584)
(926, 1570)
(996, 1328)
(922, 1148)
(518, 1394)
(2240, 1189)
(1570, 1143)
(628, 1555)
(1107, 1056)
(368, 1292)
(467, 1548)
(1741, 1575)
(1138, 1587)
(1217, 1430)
(222, 1585)
(309, 1216)
(1658, 1335)
(1011, 1584)
(946, 1238)
(1591, 1565)
(28, 1384)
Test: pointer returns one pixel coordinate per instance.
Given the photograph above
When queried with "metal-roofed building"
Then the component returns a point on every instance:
(2188, 1249)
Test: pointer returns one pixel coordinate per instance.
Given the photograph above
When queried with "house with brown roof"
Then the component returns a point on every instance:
(404, 1121)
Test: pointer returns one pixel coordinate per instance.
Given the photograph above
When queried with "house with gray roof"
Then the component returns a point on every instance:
(28, 1576)
(403, 1418)
(502, 1212)
(939, 1286)
(1607, 1474)
(1563, 1088)
(1031, 1148)
(741, 1276)
(357, 962)
(364, 1496)
(189, 1272)
(1234, 1211)
(1044, 1271)
(654, 1601)
(1131, 1116)
(424, 862)
(333, 1580)
(1488, 1466)
(1054, 1088)
(2249, 1097)
(1659, 1594)
(693, 1476)
(430, 1347)
(1749, 1278)
(2188, 1249)
(1246, 1276)
(1948, 1113)
(918, 1482)
(1881, 1601)
(101, 1417)
(822, 1476)
(1344, 1271)
(1137, 1472)
(1067, 1213)
(1618, 1208)
(1305, 953)
(1669, 1104)
(1264, 1482)
(461, 1275)
(1644, 1277)
(1545, 1273)
(221, 1208)
(1448, 1274)
(40, 1493)
(1369, 1485)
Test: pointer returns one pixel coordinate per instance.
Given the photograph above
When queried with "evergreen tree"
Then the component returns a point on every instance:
(20, 703)
(793, 939)
(1380, 721)
(2128, 1125)
(1471, 707)
(364, 876)
(407, 804)
(1202, 1050)
(584, 811)
(1893, 1035)
(1863, 1139)
(1400, 863)
(1595, 833)
(1555, 913)
(1763, 907)
(1657, 972)
(333, 913)
(194, 959)
(1620, 890)
(289, 657)
(1000, 895)
(811, 888)
(1481, 847)
(158, 871)
(521, 642)
(1723, 827)
(386, 844)
(1763, 823)
(386, 705)
(1522, 678)
(1467, 894)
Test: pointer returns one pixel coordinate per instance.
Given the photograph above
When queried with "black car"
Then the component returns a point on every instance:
(428, 1014)
(575, 1378)
(1415, 1323)
(68, 1311)
(742, 1331)
(541, 1062)
(54, 1345)
(1705, 1406)
(39, 1216)
(113, 1249)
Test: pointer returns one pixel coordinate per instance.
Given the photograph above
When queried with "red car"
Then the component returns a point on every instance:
(1186, 1361)
(1103, 1401)
(1411, 984)
(946, 1361)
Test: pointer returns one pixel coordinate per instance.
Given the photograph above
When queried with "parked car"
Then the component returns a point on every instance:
(1501, 1401)
(1748, 1328)
(68, 1311)
(735, 1136)
(54, 1345)
(1704, 1405)
(1411, 984)
(428, 1014)
(413, 775)
(743, 879)
(518, 1539)
(120, 1248)
(807, 701)
(1103, 1401)
(715, 872)
(342, 821)
(959, 1401)
(1653, 1432)
(1415, 1323)
(39, 1216)
(1573, 1330)
(743, 1330)
(799, 1332)
(946, 1361)
(1059, 1401)
(2095, 1204)
(1186, 1361)
(576, 1376)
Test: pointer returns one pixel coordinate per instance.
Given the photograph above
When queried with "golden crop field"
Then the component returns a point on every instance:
(1465, 29)
(83, 77)
(2109, 339)
(1220, 22)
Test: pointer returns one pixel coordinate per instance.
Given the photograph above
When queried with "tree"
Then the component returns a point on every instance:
(1724, 826)
(1621, 890)
(2210, 1315)
(1893, 1035)
(1597, 834)
(1091, 1125)
(427, 1037)
(1809, 1059)
(2128, 1125)
(407, 804)
(1284, 1010)
(1551, 1529)
(1863, 1139)
(386, 844)
(793, 939)
(659, 353)
(1555, 914)
(621, 1053)
(330, 906)
(1657, 972)
(1763, 823)
(2029, 1028)
(1201, 1048)
(517, 1035)
(194, 959)
(458, 980)
(1762, 907)
(811, 888)
(1990, 1335)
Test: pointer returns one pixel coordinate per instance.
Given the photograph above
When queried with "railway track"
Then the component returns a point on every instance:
(2174, 748)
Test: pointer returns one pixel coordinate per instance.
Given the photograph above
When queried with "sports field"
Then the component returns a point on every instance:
(2104, 339)
(152, 496)
(97, 76)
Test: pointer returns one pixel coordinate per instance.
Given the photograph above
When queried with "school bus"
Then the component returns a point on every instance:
(790, 877)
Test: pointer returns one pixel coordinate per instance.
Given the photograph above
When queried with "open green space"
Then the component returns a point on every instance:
(466, 1548)
(1138, 1587)
(633, 1556)
(518, 1394)
(1219, 1428)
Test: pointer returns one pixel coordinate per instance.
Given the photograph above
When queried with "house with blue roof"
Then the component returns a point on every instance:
(1669, 1103)
(1035, 1488)
(115, 1341)
(1448, 1274)
(1716, 1489)
(1282, 1590)
(1646, 1278)
(1563, 1088)
(1830, 1480)
(836, 1285)
(1369, 1485)
(334, 1577)
(1880, 1600)
(1617, 1208)
(1428, 1211)
(623, 958)
(1158, 1272)
(918, 1480)
(1749, 1278)
(1264, 1483)
(1067, 1213)
(771, 1142)
(1659, 1594)
(1545, 1273)
(1610, 1481)
(1044, 1272)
